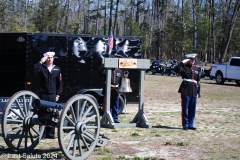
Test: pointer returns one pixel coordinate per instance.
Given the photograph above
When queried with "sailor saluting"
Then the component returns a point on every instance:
(189, 89)
(50, 84)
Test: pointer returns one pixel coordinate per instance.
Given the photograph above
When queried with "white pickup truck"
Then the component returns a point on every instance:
(229, 71)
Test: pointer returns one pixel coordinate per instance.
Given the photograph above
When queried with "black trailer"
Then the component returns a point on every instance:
(78, 56)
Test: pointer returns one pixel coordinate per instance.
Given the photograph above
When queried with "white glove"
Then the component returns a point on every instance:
(185, 61)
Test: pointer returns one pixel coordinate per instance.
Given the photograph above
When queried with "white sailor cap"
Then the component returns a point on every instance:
(191, 56)
(49, 54)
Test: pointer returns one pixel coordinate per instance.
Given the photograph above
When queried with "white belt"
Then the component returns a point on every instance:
(114, 85)
(190, 80)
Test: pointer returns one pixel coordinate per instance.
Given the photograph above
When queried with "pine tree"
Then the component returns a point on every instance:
(47, 16)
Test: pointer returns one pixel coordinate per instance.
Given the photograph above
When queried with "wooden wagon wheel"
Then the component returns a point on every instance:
(77, 132)
(18, 132)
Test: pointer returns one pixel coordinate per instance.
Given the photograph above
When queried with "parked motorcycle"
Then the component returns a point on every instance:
(157, 67)
(169, 70)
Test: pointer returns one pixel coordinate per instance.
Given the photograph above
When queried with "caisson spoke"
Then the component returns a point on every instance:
(25, 105)
(79, 145)
(82, 111)
(89, 136)
(15, 120)
(31, 136)
(70, 142)
(20, 108)
(92, 127)
(30, 106)
(20, 139)
(69, 134)
(73, 114)
(16, 113)
(86, 113)
(69, 127)
(69, 120)
(74, 146)
(84, 141)
(15, 127)
(90, 118)
(26, 138)
(35, 131)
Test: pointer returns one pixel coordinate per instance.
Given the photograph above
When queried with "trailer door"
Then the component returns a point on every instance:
(12, 63)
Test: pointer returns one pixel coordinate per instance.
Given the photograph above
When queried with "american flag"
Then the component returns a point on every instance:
(110, 41)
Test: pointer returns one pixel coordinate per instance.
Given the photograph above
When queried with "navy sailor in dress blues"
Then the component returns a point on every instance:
(50, 84)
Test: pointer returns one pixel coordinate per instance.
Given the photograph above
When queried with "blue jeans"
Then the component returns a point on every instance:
(188, 110)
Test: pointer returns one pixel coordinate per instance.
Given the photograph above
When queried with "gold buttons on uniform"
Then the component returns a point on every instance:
(192, 73)
(114, 77)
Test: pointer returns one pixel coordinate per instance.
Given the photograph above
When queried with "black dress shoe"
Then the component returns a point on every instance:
(184, 128)
(116, 122)
(192, 128)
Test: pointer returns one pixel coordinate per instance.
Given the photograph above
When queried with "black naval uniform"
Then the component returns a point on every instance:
(116, 79)
(190, 90)
(50, 87)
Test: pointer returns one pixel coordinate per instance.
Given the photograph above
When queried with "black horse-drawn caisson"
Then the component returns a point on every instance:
(77, 121)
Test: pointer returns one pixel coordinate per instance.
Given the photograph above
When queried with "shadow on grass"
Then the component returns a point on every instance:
(166, 127)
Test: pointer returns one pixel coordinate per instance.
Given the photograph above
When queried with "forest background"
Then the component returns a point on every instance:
(169, 28)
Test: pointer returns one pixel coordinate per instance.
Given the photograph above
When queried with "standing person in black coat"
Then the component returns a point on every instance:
(50, 84)
(189, 89)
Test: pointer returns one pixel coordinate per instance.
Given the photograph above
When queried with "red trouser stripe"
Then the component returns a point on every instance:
(182, 109)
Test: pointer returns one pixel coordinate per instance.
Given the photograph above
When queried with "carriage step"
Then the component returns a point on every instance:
(102, 140)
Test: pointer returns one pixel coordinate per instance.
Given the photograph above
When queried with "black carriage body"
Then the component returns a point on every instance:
(78, 56)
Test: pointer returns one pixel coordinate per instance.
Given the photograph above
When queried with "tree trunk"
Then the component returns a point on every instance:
(212, 31)
(194, 29)
(116, 17)
(97, 20)
(63, 13)
(110, 19)
(183, 29)
(231, 27)
(105, 17)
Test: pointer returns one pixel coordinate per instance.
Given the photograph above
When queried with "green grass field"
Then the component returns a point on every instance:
(217, 121)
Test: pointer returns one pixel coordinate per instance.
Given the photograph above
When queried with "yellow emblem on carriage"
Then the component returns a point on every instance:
(127, 63)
